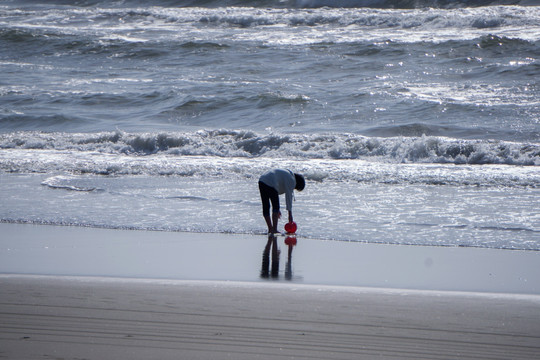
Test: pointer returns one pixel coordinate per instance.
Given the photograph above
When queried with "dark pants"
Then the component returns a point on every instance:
(269, 194)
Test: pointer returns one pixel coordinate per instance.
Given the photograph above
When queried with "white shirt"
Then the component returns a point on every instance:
(283, 181)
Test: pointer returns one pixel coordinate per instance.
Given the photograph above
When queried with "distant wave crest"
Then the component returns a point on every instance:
(484, 18)
(386, 4)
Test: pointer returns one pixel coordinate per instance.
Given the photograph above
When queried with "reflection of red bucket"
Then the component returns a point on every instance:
(290, 227)
(290, 240)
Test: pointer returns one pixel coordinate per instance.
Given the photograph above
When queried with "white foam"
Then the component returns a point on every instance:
(69, 183)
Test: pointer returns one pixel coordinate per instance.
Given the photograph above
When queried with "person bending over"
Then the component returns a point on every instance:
(272, 184)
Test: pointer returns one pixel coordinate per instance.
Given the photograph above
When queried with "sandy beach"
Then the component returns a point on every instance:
(157, 295)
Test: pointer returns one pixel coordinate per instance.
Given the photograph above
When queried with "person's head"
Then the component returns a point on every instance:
(300, 182)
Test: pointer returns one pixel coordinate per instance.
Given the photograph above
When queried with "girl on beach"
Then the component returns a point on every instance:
(272, 184)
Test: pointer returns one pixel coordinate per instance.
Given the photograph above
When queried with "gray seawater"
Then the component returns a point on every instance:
(415, 122)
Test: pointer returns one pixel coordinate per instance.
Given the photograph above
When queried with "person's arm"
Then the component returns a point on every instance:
(289, 200)
(289, 183)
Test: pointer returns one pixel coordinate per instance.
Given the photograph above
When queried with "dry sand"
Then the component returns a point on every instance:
(72, 293)
(92, 318)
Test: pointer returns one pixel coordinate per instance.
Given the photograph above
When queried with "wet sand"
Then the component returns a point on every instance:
(72, 293)
(76, 251)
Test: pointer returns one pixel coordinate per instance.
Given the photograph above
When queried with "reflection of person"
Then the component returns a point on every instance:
(270, 245)
(272, 248)
(290, 241)
(272, 184)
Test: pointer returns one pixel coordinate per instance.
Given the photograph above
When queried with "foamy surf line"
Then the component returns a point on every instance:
(129, 254)
(241, 154)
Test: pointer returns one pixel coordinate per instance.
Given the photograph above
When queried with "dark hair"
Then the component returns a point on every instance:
(300, 182)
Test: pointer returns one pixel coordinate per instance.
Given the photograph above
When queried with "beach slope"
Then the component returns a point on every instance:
(97, 318)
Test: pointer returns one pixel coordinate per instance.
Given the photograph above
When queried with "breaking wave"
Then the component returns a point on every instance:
(249, 144)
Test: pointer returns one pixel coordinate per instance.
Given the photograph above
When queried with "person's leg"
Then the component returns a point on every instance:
(269, 194)
(276, 214)
(265, 199)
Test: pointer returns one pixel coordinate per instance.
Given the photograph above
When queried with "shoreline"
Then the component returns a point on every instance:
(256, 234)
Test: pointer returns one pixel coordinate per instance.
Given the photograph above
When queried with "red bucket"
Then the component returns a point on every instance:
(290, 227)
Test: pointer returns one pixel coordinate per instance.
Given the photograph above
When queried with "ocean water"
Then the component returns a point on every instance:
(414, 122)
